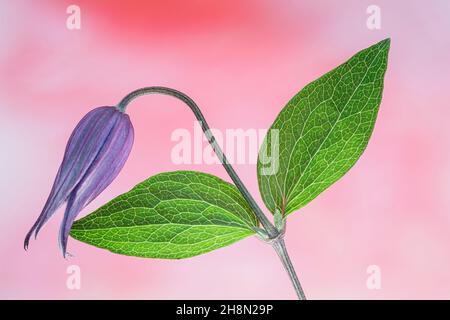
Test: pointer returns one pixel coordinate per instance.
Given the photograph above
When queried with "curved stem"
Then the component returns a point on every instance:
(211, 139)
(275, 237)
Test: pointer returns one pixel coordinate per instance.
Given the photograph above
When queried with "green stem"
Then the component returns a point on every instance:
(281, 250)
(272, 232)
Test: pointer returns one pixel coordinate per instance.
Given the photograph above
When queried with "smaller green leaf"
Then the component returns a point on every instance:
(322, 131)
(171, 215)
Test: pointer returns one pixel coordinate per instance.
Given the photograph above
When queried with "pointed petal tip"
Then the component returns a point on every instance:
(26, 242)
(63, 237)
(67, 255)
(62, 247)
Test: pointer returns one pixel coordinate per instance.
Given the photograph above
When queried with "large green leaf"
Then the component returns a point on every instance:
(171, 215)
(322, 131)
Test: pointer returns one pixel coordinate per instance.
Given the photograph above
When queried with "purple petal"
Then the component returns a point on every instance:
(103, 170)
(82, 148)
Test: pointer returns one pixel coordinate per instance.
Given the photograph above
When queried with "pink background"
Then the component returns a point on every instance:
(241, 61)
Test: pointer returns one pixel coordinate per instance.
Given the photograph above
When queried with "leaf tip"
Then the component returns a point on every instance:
(386, 43)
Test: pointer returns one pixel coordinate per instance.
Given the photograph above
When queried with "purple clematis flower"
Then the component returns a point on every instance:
(95, 153)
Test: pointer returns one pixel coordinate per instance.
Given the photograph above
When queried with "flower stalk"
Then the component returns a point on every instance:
(272, 235)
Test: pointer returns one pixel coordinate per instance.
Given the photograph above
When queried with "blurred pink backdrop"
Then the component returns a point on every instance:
(241, 61)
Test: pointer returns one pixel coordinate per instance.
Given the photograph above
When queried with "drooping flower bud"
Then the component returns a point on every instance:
(95, 153)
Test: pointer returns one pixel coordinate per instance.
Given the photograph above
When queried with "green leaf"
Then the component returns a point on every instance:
(171, 215)
(322, 131)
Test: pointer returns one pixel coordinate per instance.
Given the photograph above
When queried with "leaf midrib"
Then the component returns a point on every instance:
(169, 241)
(161, 224)
(228, 213)
(246, 211)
